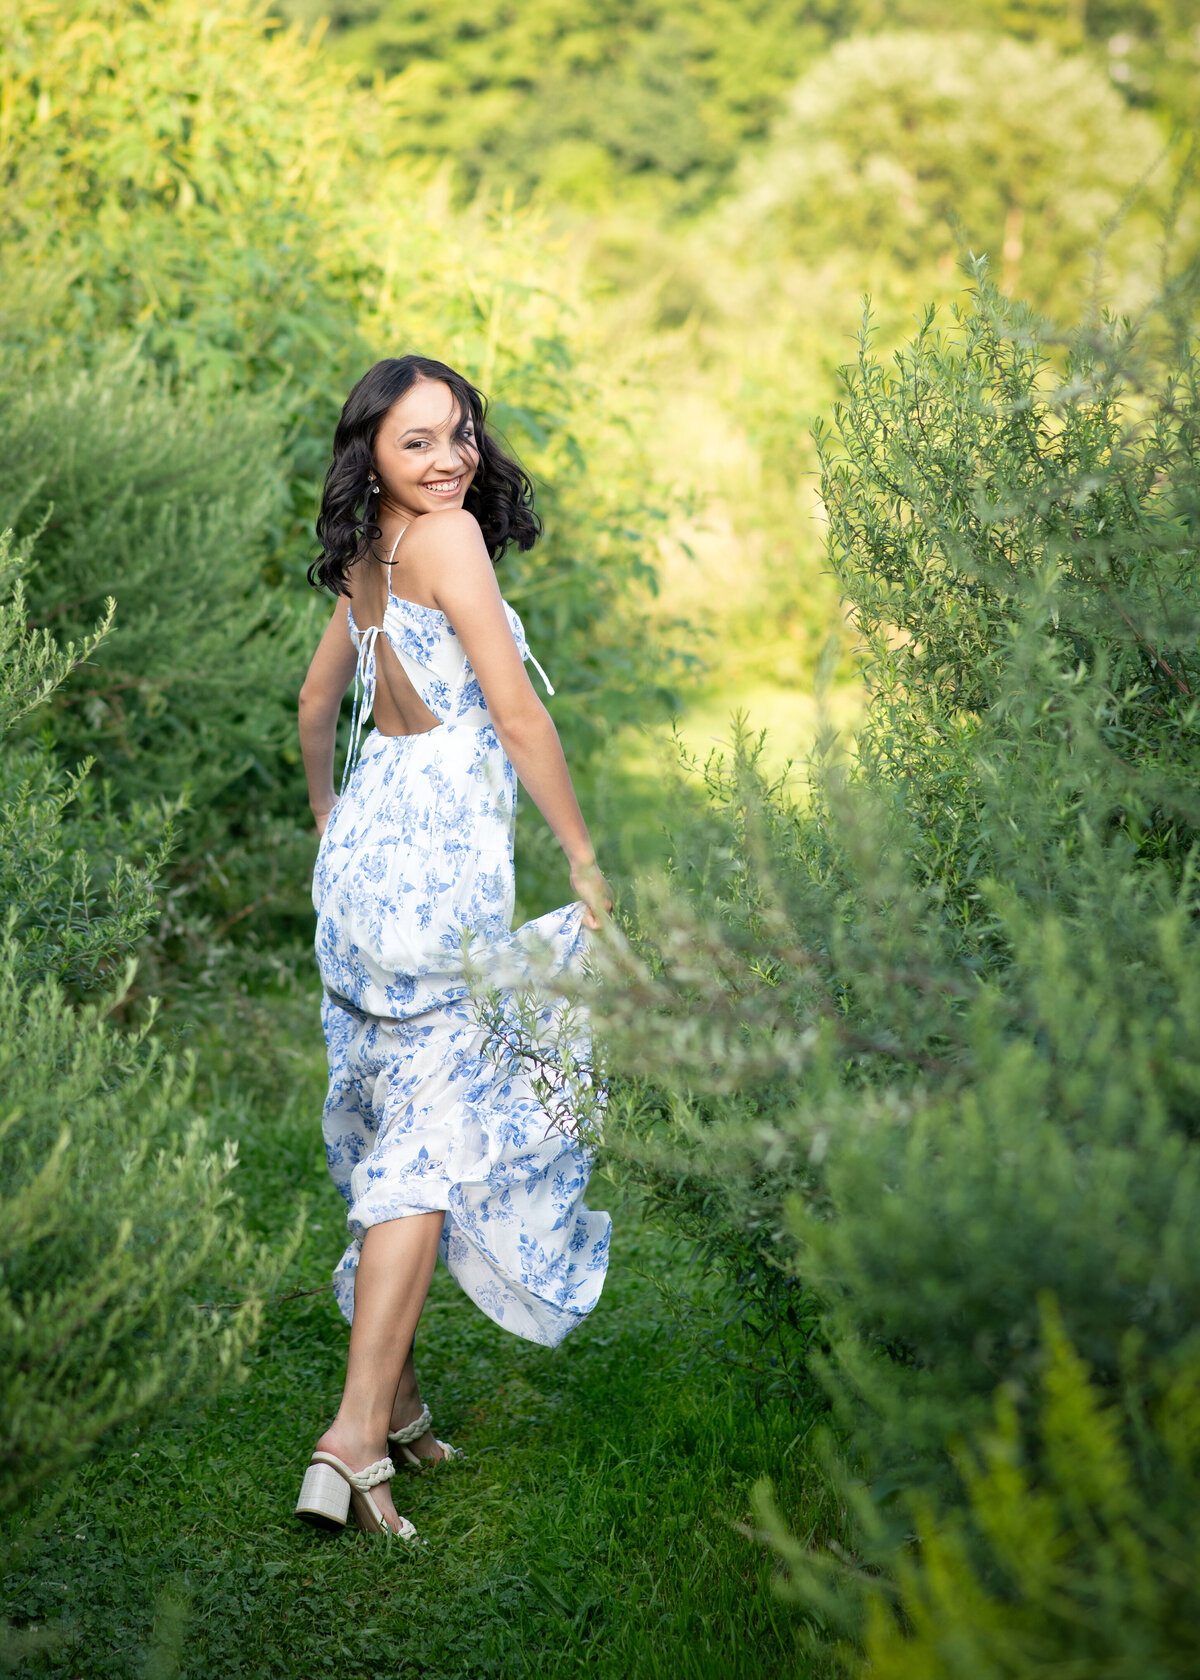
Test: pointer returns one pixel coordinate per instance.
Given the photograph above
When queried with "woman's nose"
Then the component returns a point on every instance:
(456, 456)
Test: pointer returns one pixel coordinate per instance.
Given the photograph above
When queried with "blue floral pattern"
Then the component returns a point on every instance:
(414, 885)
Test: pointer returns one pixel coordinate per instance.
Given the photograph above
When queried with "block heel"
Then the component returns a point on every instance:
(324, 1498)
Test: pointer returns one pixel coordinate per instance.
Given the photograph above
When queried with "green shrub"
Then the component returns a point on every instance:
(1073, 1552)
(1090, 1531)
(169, 170)
(930, 1044)
(116, 1214)
(166, 503)
(74, 905)
(115, 1208)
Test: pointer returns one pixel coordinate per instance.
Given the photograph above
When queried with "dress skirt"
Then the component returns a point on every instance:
(413, 887)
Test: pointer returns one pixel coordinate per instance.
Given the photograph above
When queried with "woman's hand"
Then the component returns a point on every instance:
(594, 890)
(321, 818)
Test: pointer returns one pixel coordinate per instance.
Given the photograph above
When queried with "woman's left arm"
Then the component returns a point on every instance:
(329, 676)
(448, 548)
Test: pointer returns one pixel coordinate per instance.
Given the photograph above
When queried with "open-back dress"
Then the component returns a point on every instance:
(417, 853)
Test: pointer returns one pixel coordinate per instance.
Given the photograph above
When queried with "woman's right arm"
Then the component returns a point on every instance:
(329, 676)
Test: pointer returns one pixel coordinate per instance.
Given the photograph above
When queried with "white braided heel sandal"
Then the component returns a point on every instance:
(413, 1432)
(331, 1487)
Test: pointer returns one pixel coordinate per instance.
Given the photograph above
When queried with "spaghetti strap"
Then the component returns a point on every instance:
(364, 674)
(549, 686)
(392, 556)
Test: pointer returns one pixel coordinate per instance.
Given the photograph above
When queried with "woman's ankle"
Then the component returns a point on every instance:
(357, 1435)
(407, 1409)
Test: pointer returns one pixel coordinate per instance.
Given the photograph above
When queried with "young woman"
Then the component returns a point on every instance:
(436, 1147)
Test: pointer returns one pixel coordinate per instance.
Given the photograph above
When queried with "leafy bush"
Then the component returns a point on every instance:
(166, 504)
(116, 1212)
(59, 920)
(169, 169)
(1073, 1552)
(931, 1044)
(115, 1206)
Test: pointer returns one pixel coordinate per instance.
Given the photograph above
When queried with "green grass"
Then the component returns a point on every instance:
(589, 1530)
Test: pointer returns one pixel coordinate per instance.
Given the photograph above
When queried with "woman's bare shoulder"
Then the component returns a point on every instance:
(444, 528)
(448, 553)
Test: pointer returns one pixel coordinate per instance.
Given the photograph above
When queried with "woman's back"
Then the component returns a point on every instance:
(414, 670)
(398, 707)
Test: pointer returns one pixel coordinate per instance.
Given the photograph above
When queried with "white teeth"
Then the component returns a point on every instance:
(444, 487)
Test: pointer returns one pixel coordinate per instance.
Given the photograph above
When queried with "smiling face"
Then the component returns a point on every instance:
(426, 452)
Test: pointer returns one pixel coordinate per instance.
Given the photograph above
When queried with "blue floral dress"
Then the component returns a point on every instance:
(414, 875)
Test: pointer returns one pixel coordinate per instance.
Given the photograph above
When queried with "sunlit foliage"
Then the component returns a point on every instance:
(608, 104)
(170, 170)
(583, 99)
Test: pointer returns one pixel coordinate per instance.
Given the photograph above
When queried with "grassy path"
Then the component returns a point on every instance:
(590, 1530)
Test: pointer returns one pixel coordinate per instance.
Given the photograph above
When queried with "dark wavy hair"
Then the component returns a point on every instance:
(500, 496)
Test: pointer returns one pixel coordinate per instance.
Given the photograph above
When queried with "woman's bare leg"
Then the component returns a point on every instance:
(390, 1286)
(406, 1409)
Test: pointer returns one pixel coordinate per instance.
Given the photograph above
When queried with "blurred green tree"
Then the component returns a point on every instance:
(898, 147)
(621, 103)
(586, 98)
